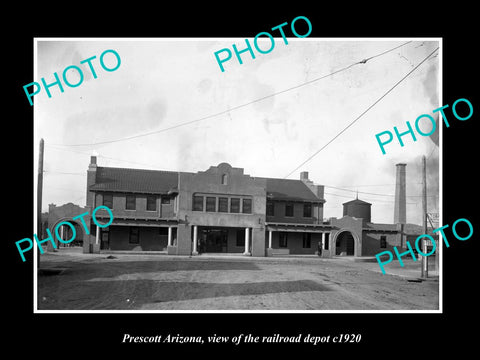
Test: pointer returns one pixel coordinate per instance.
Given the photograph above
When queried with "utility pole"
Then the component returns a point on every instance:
(424, 216)
(39, 196)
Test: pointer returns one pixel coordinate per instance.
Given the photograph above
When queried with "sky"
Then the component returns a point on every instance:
(196, 116)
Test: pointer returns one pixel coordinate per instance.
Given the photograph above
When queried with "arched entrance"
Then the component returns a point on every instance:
(58, 214)
(345, 244)
(66, 233)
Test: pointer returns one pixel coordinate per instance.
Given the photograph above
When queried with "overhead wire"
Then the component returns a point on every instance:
(238, 106)
(368, 193)
(363, 113)
(257, 100)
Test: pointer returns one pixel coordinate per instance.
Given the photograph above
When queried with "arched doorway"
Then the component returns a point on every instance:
(66, 233)
(345, 244)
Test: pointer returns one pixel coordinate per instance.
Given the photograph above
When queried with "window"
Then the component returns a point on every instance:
(197, 203)
(383, 241)
(224, 179)
(130, 203)
(270, 208)
(211, 204)
(282, 240)
(165, 200)
(240, 237)
(108, 200)
(307, 240)
(234, 205)
(223, 204)
(289, 209)
(247, 206)
(151, 203)
(307, 210)
(134, 236)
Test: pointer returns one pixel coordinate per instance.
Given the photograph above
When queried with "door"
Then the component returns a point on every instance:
(216, 240)
(345, 245)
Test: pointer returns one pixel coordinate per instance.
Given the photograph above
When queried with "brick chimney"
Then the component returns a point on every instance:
(304, 176)
(318, 191)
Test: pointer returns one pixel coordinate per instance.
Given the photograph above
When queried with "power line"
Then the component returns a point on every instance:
(65, 189)
(63, 173)
(333, 187)
(373, 200)
(355, 186)
(369, 193)
(101, 156)
(239, 106)
(360, 192)
(363, 113)
(431, 152)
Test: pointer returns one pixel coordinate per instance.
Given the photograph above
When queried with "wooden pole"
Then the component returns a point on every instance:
(39, 197)
(424, 215)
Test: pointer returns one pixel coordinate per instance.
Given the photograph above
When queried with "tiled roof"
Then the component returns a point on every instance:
(380, 227)
(286, 189)
(408, 229)
(160, 182)
(356, 201)
(135, 180)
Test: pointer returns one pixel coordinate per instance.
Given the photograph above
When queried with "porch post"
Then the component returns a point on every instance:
(247, 241)
(270, 239)
(195, 233)
(169, 236)
(323, 240)
(61, 236)
(97, 236)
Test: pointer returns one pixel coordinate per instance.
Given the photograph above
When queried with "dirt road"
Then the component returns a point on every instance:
(158, 282)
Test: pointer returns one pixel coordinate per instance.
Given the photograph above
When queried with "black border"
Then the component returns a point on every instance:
(386, 334)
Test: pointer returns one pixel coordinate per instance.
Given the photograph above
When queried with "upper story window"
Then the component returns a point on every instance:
(247, 206)
(108, 200)
(307, 210)
(197, 203)
(234, 205)
(211, 204)
(224, 179)
(130, 202)
(151, 203)
(270, 208)
(289, 209)
(222, 204)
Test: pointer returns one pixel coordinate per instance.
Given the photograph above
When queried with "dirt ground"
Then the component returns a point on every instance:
(70, 280)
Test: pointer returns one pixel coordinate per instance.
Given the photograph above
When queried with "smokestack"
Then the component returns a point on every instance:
(91, 178)
(400, 211)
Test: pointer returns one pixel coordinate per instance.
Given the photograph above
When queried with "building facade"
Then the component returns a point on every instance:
(223, 210)
(220, 210)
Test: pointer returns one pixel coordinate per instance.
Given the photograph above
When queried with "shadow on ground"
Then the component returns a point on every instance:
(132, 294)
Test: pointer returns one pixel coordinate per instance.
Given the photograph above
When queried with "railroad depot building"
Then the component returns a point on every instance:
(223, 210)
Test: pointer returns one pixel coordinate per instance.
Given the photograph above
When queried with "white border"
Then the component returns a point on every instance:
(35, 167)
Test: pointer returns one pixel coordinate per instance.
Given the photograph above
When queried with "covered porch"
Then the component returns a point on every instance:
(298, 239)
(134, 235)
